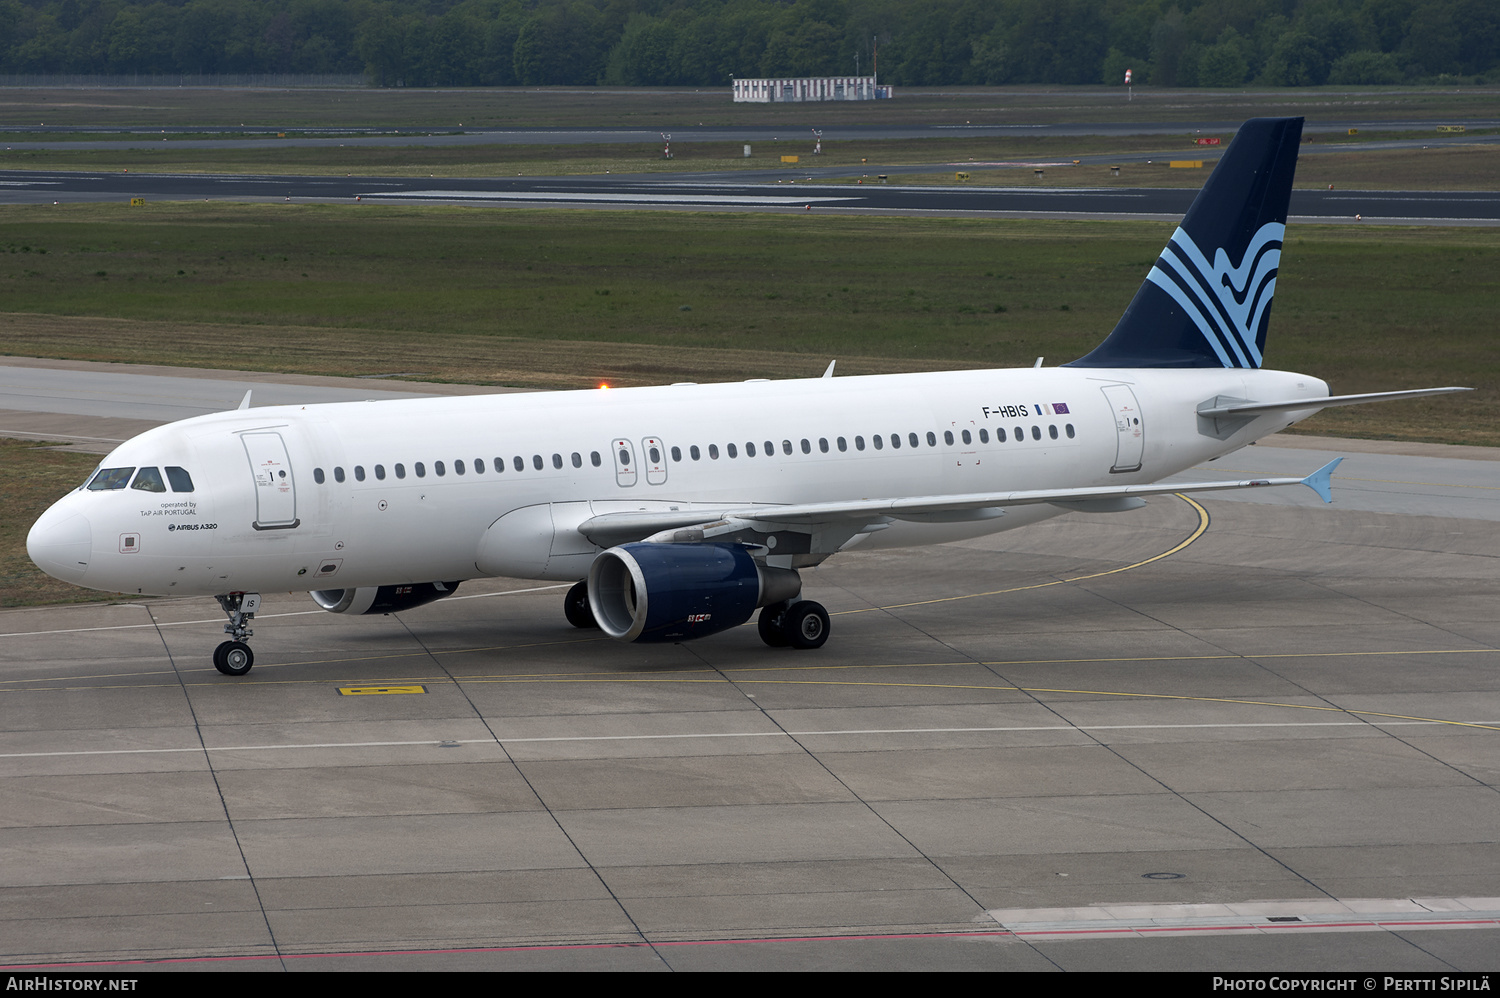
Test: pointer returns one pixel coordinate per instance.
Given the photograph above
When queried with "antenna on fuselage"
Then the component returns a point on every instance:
(245, 402)
(829, 373)
(1038, 362)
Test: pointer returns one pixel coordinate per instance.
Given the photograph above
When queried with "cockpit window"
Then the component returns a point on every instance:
(180, 479)
(149, 480)
(109, 479)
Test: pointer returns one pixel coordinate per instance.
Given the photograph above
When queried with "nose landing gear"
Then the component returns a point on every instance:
(234, 657)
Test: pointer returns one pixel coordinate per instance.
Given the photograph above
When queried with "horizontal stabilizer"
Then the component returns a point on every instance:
(1260, 408)
(1320, 481)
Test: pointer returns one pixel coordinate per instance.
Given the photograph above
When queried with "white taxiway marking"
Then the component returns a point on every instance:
(451, 742)
(1331, 915)
(623, 198)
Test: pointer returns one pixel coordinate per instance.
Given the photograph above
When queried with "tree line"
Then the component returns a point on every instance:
(423, 43)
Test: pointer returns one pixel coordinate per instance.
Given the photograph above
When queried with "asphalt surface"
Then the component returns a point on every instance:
(705, 194)
(75, 136)
(1276, 748)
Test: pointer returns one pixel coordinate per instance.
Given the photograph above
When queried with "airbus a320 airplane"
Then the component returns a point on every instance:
(684, 509)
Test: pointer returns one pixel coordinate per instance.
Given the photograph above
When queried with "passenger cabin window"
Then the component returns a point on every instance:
(749, 448)
(895, 441)
(110, 479)
(713, 452)
(968, 437)
(458, 467)
(1052, 431)
(877, 440)
(843, 445)
(731, 450)
(181, 481)
(318, 476)
(859, 443)
(359, 472)
(400, 471)
(519, 462)
(786, 447)
(380, 472)
(499, 465)
(420, 469)
(536, 461)
(693, 452)
(479, 466)
(1036, 433)
(557, 461)
(338, 474)
(595, 460)
(149, 480)
(1069, 428)
(437, 466)
(770, 449)
(911, 438)
(823, 444)
(578, 458)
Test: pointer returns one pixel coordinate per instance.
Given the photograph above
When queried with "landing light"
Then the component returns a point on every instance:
(603, 385)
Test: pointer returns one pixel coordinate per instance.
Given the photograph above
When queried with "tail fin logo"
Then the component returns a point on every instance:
(1226, 301)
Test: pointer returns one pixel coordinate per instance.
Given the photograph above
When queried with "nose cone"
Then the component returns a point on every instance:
(61, 543)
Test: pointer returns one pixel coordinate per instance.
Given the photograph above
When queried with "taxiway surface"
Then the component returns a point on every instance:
(1232, 734)
(758, 192)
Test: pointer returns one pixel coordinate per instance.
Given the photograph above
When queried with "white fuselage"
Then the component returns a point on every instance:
(309, 497)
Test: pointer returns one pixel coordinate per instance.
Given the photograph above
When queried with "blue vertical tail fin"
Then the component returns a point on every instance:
(1207, 301)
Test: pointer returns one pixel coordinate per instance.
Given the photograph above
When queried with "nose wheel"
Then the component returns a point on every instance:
(234, 657)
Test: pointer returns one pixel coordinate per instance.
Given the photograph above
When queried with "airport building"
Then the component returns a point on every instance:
(810, 88)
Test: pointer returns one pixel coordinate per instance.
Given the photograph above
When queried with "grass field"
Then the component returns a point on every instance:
(517, 296)
(560, 107)
(31, 479)
(1466, 168)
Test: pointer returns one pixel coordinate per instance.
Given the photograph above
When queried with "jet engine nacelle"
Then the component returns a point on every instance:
(382, 599)
(649, 592)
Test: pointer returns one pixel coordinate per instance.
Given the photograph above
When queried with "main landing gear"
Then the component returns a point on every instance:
(577, 609)
(802, 624)
(799, 624)
(234, 657)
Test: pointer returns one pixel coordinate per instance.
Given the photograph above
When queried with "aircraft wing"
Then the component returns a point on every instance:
(619, 528)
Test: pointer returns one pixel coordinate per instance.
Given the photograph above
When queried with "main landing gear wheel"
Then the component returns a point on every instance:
(233, 658)
(577, 609)
(805, 625)
(769, 625)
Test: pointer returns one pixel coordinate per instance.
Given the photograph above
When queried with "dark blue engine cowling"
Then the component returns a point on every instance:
(672, 592)
(382, 599)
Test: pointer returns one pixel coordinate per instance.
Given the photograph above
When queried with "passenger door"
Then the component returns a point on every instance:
(275, 486)
(1130, 432)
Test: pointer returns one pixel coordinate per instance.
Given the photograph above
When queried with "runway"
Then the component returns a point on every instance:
(706, 194)
(83, 136)
(1256, 733)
